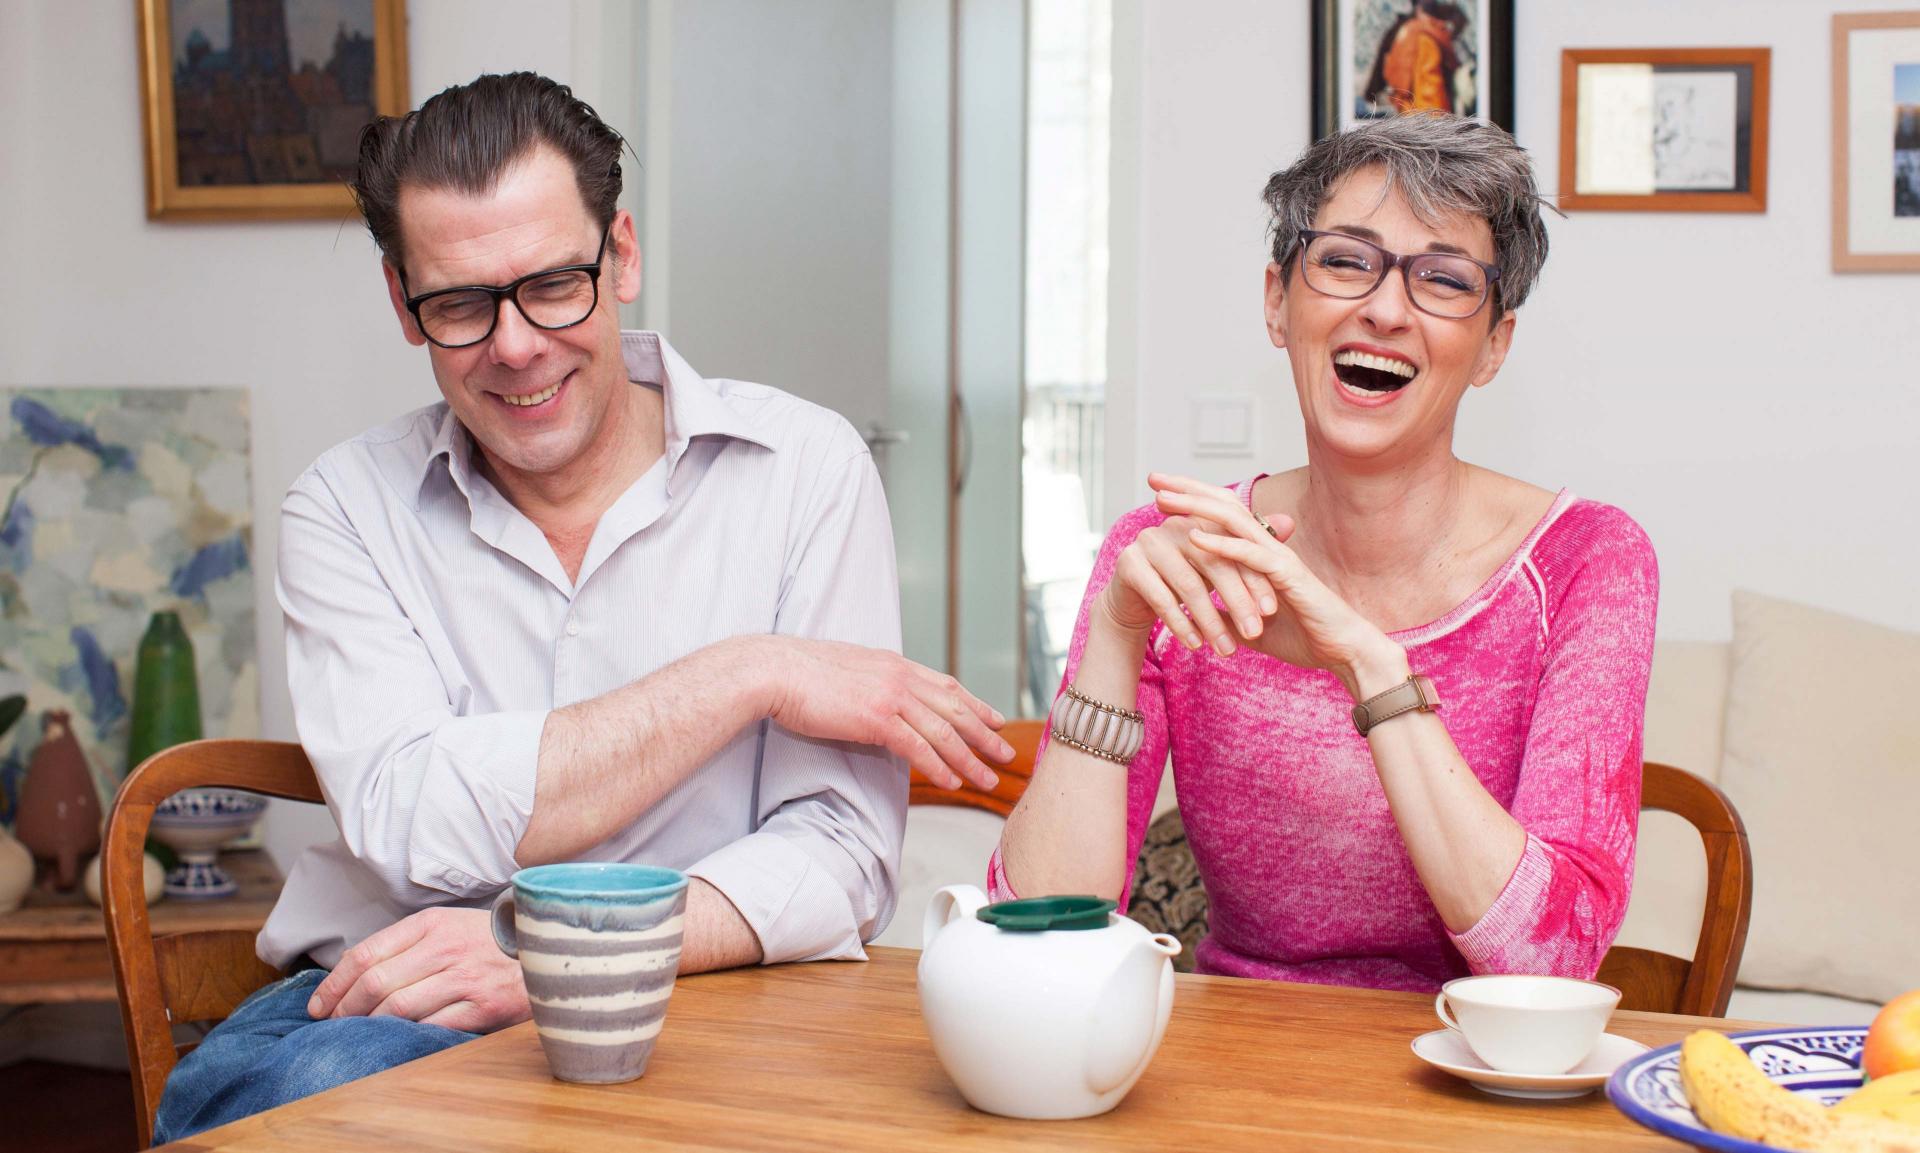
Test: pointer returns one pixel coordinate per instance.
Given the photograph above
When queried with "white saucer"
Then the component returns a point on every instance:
(1447, 1050)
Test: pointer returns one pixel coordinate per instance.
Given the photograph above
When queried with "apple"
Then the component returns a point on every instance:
(1893, 1040)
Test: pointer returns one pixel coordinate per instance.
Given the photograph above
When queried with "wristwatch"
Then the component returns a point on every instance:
(1415, 694)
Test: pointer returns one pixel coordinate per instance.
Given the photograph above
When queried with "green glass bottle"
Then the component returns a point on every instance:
(166, 690)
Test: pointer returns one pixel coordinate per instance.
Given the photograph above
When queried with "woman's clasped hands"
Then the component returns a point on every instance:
(1211, 544)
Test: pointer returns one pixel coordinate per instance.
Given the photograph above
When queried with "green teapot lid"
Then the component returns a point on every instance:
(1035, 914)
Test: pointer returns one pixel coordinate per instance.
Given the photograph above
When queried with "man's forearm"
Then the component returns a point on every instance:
(604, 762)
(716, 935)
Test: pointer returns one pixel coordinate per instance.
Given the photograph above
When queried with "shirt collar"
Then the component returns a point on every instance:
(451, 444)
(694, 408)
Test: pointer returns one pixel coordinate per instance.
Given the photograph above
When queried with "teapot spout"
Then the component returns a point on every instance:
(1133, 1011)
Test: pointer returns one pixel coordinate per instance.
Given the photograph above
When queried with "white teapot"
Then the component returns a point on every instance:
(1046, 1008)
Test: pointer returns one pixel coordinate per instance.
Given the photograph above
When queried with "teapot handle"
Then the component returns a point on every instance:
(950, 904)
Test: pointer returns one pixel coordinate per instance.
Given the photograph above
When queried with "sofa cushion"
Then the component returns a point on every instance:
(1168, 896)
(1822, 758)
(1779, 1007)
(1686, 705)
(1685, 696)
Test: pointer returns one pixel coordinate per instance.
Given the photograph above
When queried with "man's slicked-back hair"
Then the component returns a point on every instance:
(1443, 165)
(466, 137)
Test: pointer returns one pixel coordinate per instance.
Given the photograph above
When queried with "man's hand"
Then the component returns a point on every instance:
(841, 692)
(439, 966)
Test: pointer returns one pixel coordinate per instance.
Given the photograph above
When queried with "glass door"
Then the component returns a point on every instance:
(1065, 367)
(798, 200)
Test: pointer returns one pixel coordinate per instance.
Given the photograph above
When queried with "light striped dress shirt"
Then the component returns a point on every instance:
(431, 628)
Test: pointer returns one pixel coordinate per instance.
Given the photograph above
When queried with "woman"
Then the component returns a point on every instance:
(1490, 832)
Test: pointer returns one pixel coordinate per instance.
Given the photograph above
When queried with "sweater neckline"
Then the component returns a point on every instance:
(1481, 597)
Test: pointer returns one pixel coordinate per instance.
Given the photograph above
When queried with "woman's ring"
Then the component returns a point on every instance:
(1262, 521)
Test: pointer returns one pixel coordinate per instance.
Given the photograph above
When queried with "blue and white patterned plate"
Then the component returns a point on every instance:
(1821, 1063)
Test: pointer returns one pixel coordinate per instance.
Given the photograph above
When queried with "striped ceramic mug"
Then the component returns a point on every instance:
(599, 946)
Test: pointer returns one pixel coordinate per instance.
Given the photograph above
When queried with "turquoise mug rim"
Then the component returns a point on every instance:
(586, 881)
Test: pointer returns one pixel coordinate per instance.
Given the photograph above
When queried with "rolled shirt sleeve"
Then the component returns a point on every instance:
(433, 804)
(818, 877)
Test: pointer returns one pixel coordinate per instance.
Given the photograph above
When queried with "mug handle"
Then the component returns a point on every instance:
(504, 933)
(1446, 1017)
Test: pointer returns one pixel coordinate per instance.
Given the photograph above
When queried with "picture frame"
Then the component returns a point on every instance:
(268, 129)
(1359, 44)
(1664, 129)
(1876, 102)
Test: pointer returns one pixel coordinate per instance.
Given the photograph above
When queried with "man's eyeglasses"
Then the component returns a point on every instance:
(1440, 283)
(556, 298)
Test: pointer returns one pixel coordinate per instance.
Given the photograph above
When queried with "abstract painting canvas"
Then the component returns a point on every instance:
(117, 503)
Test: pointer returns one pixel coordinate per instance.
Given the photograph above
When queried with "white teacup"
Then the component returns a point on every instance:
(1524, 1024)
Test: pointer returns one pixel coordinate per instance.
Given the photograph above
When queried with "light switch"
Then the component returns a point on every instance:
(1223, 426)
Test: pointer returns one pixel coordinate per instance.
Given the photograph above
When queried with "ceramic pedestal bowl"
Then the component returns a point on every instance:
(194, 824)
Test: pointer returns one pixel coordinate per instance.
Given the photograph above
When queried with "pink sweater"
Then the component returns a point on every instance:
(1543, 675)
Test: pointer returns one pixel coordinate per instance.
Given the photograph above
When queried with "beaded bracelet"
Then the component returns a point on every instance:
(1096, 728)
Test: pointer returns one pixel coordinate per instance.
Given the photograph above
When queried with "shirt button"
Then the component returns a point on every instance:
(573, 627)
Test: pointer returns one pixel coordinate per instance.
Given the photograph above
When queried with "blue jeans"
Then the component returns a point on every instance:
(270, 1052)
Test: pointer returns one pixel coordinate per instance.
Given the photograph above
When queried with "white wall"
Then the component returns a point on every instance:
(1758, 414)
(781, 169)
(95, 294)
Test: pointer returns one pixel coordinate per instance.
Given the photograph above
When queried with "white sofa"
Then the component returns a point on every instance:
(1686, 711)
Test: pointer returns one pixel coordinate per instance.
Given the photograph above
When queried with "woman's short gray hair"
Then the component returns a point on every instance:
(1443, 165)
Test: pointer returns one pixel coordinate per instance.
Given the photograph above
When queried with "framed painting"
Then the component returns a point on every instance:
(1664, 129)
(253, 108)
(1378, 58)
(1876, 142)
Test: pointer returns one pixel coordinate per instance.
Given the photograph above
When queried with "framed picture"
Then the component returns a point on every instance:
(1876, 142)
(1378, 58)
(253, 108)
(1664, 129)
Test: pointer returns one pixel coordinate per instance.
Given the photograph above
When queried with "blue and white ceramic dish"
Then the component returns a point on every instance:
(195, 805)
(195, 823)
(1822, 1063)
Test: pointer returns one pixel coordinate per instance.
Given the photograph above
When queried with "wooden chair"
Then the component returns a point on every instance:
(181, 977)
(1661, 982)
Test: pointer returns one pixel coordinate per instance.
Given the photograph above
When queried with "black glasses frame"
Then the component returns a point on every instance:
(511, 292)
(1392, 260)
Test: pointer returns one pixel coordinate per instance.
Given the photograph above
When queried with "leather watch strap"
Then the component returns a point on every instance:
(1415, 694)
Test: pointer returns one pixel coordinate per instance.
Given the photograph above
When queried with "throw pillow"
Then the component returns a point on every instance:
(1822, 758)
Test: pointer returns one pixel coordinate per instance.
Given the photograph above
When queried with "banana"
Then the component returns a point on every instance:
(1895, 1096)
(1734, 1097)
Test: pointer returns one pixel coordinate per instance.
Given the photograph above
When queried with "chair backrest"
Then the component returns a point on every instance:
(183, 976)
(1661, 982)
(1024, 736)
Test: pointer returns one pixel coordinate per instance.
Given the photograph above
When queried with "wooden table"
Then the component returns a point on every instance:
(833, 1057)
(54, 947)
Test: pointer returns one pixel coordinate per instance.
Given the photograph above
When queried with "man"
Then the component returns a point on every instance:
(591, 607)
